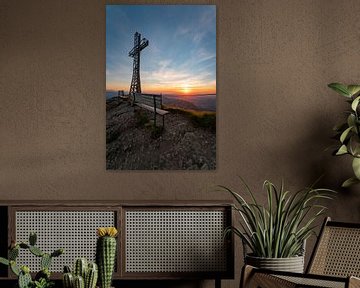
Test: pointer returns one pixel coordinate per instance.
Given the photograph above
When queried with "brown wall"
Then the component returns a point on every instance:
(275, 113)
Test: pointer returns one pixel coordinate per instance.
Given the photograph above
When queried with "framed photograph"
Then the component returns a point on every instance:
(161, 87)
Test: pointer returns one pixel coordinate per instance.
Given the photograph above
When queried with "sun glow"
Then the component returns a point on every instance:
(186, 89)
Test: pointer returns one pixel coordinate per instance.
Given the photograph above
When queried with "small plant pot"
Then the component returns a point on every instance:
(291, 264)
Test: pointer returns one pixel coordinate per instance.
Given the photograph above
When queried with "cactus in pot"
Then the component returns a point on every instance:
(106, 254)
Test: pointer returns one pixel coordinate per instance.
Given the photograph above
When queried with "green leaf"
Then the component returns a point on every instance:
(340, 88)
(355, 103)
(356, 167)
(345, 134)
(353, 89)
(351, 120)
(349, 182)
(354, 145)
(342, 150)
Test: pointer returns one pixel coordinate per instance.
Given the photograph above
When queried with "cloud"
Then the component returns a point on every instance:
(181, 53)
(198, 29)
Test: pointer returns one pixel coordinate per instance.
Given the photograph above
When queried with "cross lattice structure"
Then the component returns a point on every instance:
(139, 45)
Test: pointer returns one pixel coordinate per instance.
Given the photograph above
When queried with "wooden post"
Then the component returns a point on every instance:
(132, 99)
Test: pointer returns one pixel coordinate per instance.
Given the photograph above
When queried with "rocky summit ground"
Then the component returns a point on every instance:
(132, 143)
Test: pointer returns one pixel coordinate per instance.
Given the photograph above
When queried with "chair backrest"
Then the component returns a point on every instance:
(337, 251)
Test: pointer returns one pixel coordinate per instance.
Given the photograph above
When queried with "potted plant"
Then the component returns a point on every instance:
(348, 132)
(276, 233)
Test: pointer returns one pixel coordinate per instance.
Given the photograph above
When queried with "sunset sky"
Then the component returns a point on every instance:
(181, 56)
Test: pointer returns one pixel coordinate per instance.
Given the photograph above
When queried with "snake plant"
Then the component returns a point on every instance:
(348, 132)
(279, 228)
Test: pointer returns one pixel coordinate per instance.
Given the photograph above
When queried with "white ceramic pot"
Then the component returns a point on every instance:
(291, 264)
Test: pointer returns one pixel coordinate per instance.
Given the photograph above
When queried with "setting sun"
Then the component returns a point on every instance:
(186, 89)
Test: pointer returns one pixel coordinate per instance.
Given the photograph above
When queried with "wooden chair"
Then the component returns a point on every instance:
(335, 262)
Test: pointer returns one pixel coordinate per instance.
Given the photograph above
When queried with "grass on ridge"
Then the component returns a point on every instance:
(203, 119)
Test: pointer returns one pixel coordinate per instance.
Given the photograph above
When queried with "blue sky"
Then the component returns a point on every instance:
(181, 56)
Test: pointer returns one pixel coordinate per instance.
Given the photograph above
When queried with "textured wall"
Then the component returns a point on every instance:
(275, 113)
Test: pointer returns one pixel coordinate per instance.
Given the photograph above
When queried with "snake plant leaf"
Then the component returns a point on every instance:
(349, 182)
(345, 134)
(353, 89)
(342, 150)
(356, 167)
(340, 88)
(355, 103)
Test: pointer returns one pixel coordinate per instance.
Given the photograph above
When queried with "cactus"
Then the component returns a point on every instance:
(13, 253)
(14, 268)
(42, 278)
(24, 277)
(44, 273)
(24, 245)
(79, 282)
(90, 272)
(57, 252)
(80, 268)
(105, 254)
(91, 276)
(36, 251)
(68, 280)
(32, 238)
(45, 261)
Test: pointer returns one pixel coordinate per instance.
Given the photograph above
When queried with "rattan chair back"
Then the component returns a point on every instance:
(337, 252)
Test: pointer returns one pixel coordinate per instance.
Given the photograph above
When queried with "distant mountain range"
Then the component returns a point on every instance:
(200, 102)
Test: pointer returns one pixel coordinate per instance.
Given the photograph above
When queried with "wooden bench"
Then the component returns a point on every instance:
(122, 95)
(150, 102)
